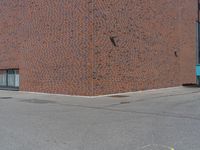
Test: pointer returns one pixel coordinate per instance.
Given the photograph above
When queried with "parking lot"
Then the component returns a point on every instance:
(164, 119)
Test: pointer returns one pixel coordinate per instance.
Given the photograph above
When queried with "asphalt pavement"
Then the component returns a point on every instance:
(164, 119)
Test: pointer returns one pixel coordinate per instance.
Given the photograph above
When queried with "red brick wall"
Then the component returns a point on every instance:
(148, 34)
(64, 46)
(54, 40)
(188, 14)
(9, 44)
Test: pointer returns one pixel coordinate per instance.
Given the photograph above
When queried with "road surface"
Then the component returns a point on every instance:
(165, 119)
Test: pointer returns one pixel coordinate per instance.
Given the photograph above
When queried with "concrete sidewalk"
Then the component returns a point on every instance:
(164, 119)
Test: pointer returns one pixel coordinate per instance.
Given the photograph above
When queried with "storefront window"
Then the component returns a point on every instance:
(9, 78)
(3, 80)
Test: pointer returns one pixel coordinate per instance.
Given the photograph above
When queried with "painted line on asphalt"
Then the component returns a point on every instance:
(156, 145)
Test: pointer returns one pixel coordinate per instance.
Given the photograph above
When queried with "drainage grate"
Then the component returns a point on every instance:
(5, 97)
(125, 102)
(119, 96)
(38, 101)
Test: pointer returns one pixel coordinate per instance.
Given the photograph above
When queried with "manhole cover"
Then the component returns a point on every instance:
(156, 147)
(119, 96)
(37, 101)
(5, 97)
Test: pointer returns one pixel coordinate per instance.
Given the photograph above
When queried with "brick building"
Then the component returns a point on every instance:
(95, 47)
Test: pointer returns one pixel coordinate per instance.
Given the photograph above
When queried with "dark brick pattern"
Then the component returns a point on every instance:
(68, 46)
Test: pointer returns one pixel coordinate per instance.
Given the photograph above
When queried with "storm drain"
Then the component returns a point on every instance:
(5, 97)
(119, 96)
(127, 102)
(38, 101)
